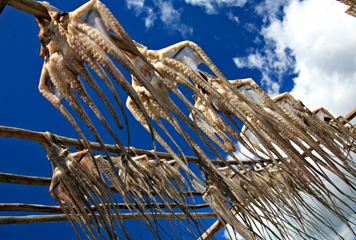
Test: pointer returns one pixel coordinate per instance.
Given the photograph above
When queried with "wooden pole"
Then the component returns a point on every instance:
(124, 216)
(71, 142)
(351, 115)
(24, 180)
(42, 181)
(23, 207)
(210, 232)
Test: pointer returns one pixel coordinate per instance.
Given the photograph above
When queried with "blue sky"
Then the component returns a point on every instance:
(306, 47)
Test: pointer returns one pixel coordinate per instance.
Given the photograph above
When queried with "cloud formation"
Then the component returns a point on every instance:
(273, 66)
(171, 18)
(162, 10)
(232, 17)
(137, 5)
(213, 6)
(321, 37)
(313, 39)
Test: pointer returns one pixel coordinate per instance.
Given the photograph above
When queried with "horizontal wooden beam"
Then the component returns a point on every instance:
(71, 142)
(125, 216)
(42, 181)
(22, 207)
(24, 180)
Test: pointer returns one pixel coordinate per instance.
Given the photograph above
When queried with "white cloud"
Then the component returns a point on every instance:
(168, 13)
(272, 65)
(150, 18)
(250, 27)
(171, 18)
(270, 9)
(314, 39)
(163, 11)
(213, 6)
(230, 234)
(324, 44)
(139, 8)
(232, 17)
(137, 5)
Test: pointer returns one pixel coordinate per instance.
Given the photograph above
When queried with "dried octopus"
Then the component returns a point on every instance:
(72, 39)
(179, 63)
(76, 185)
(155, 110)
(69, 40)
(88, 201)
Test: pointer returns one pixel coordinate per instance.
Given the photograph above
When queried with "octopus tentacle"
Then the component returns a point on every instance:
(154, 110)
(179, 79)
(224, 145)
(151, 104)
(328, 163)
(111, 22)
(311, 143)
(245, 110)
(64, 88)
(285, 120)
(195, 129)
(304, 166)
(222, 125)
(137, 181)
(214, 125)
(238, 111)
(79, 88)
(114, 25)
(175, 64)
(195, 146)
(122, 189)
(204, 156)
(79, 68)
(94, 65)
(62, 201)
(76, 199)
(125, 191)
(110, 67)
(209, 63)
(318, 132)
(158, 82)
(56, 102)
(175, 109)
(119, 56)
(96, 191)
(135, 112)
